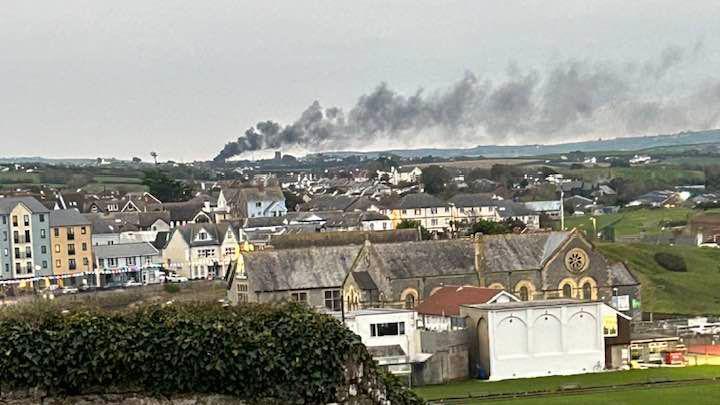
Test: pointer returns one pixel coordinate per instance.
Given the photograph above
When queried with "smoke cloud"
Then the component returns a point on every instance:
(571, 100)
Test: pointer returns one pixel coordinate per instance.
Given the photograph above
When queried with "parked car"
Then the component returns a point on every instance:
(132, 283)
(69, 290)
(174, 278)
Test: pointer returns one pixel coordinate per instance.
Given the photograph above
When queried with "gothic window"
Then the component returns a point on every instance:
(576, 260)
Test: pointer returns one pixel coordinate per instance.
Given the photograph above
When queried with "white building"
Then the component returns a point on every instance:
(122, 262)
(441, 310)
(390, 335)
(198, 251)
(536, 338)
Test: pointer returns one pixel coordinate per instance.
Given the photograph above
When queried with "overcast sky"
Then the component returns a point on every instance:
(122, 78)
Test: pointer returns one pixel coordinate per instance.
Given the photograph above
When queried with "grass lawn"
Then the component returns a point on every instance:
(706, 394)
(632, 222)
(691, 292)
(608, 379)
(647, 174)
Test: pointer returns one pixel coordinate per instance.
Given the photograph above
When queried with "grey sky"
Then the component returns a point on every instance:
(100, 78)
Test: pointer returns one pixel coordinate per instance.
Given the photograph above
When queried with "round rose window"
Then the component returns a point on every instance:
(576, 260)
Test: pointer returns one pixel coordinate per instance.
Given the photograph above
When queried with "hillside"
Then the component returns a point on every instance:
(694, 292)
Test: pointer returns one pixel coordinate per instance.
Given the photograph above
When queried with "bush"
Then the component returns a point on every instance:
(670, 261)
(282, 353)
(171, 288)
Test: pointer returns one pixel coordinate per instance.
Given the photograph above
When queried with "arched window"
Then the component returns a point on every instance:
(409, 301)
(588, 288)
(524, 296)
(567, 291)
(587, 291)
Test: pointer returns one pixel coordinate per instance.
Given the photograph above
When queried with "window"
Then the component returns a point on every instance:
(83, 230)
(29, 267)
(202, 236)
(112, 261)
(44, 264)
(230, 251)
(433, 210)
(4, 219)
(206, 253)
(85, 261)
(71, 249)
(16, 237)
(524, 293)
(418, 211)
(17, 253)
(457, 322)
(28, 252)
(299, 297)
(15, 222)
(101, 262)
(433, 222)
(84, 246)
(26, 220)
(43, 249)
(6, 252)
(132, 261)
(27, 236)
(43, 234)
(17, 268)
(5, 236)
(409, 301)
(387, 329)
(57, 248)
(71, 234)
(71, 264)
(56, 232)
(567, 291)
(242, 293)
(587, 291)
(333, 300)
(447, 209)
(42, 217)
(7, 265)
(58, 263)
(258, 204)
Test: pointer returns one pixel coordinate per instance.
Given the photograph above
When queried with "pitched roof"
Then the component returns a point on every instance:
(67, 218)
(124, 250)
(297, 269)
(512, 252)
(327, 202)
(421, 200)
(216, 233)
(336, 238)
(7, 204)
(161, 240)
(180, 211)
(364, 280)
(621, 275)
(426, 258)
(447, 300)
(473, 200)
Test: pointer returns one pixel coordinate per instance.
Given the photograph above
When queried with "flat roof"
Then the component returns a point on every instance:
(376, 311)
(530, 304)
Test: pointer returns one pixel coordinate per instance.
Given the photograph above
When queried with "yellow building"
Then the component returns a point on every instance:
(71, 245)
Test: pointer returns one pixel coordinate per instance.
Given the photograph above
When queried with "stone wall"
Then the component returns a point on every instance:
(450, 359)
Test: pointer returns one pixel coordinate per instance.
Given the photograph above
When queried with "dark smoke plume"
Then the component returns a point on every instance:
(570, 100)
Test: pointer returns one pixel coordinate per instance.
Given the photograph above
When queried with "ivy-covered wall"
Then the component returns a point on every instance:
(285, 353)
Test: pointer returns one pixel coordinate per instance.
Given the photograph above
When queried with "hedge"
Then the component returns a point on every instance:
(670, 261)
(285, 353)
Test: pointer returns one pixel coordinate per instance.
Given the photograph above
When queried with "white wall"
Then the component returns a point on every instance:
(410, 341)
(541, 341)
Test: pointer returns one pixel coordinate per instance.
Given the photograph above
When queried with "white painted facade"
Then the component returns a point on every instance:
(521, 340)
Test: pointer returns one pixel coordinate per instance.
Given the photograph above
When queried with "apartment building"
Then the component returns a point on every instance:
(431, 212)
(24, 238)
(71, 242)
(199, 251)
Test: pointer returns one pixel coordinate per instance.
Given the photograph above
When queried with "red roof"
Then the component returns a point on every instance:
(447, 300)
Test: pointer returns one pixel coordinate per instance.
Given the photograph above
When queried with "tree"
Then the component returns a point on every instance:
(712, 177)
(98, 161)
(435, 179)
(495, 228)
(165, 188)
(292, 200)
(154, 155)
(136, 160)
(409, 224)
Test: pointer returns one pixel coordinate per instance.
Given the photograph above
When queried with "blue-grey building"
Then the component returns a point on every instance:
(24, 238)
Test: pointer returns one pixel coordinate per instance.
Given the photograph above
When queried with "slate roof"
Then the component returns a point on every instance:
(473, 200)
(69, 217)
(180, 211)
(543, 206)
(161, 240)
(7, 204)
(297, 269)
(326, 202)
(421, 200)
(216, 233)
(337, 238)
(364, 280)
(426, 258)
(447, 300)
(263, 222)
(124, 250)
(621, 275)
(512, 252)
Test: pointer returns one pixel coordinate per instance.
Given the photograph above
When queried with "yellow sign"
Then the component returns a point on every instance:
(610, 325)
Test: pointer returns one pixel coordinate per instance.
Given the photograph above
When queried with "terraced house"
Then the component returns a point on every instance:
(24, 238)
(71, 241)
(202, 250)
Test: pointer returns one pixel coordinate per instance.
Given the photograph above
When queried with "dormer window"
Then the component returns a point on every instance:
(202, 235)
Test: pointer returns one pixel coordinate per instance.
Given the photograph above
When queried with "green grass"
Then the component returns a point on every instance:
(608, 379)
(117, 180)
(695, 292)
(19, 178)
(706, 394)
(632, 222)
(99, 187)
(646, 174)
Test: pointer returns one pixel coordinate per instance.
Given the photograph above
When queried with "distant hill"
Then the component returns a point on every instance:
(635, 143)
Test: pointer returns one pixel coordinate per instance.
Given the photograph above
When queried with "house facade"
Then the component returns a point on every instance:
(24, 238)
(203, 250)
(72, 247)
(124, 262)
(252, 202)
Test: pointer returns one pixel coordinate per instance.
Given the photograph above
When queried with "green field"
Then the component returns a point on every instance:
(19, 178)
(632, 222)
(117, 180)
(694, 292)
(477, 388)
(648, 174)
(705, 394)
